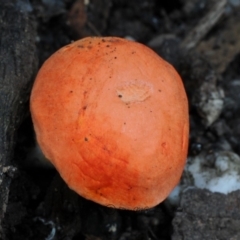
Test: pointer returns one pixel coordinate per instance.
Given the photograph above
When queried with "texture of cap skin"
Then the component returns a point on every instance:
(112, 117)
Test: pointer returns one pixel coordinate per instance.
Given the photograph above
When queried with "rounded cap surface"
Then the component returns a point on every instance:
(112, 117)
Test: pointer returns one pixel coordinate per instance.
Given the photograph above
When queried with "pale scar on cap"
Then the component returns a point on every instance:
(134, 91)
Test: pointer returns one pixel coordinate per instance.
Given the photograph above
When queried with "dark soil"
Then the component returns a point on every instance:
(40, 205)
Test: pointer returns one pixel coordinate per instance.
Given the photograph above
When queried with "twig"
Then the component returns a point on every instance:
(205, 24)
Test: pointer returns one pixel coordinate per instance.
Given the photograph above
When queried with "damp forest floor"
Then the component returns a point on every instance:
(201, 40)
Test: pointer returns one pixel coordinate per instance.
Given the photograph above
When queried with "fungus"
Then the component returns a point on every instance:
(101, 120)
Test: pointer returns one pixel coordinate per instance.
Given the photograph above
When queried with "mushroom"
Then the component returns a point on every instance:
(112, 117)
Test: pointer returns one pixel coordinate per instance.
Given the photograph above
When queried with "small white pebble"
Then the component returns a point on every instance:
(223, 176)
(112, 228)
(222, 163)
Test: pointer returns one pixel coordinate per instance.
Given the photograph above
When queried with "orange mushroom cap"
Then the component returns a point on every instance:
(112, 117)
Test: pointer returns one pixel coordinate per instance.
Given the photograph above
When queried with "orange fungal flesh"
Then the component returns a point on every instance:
(112, 117)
